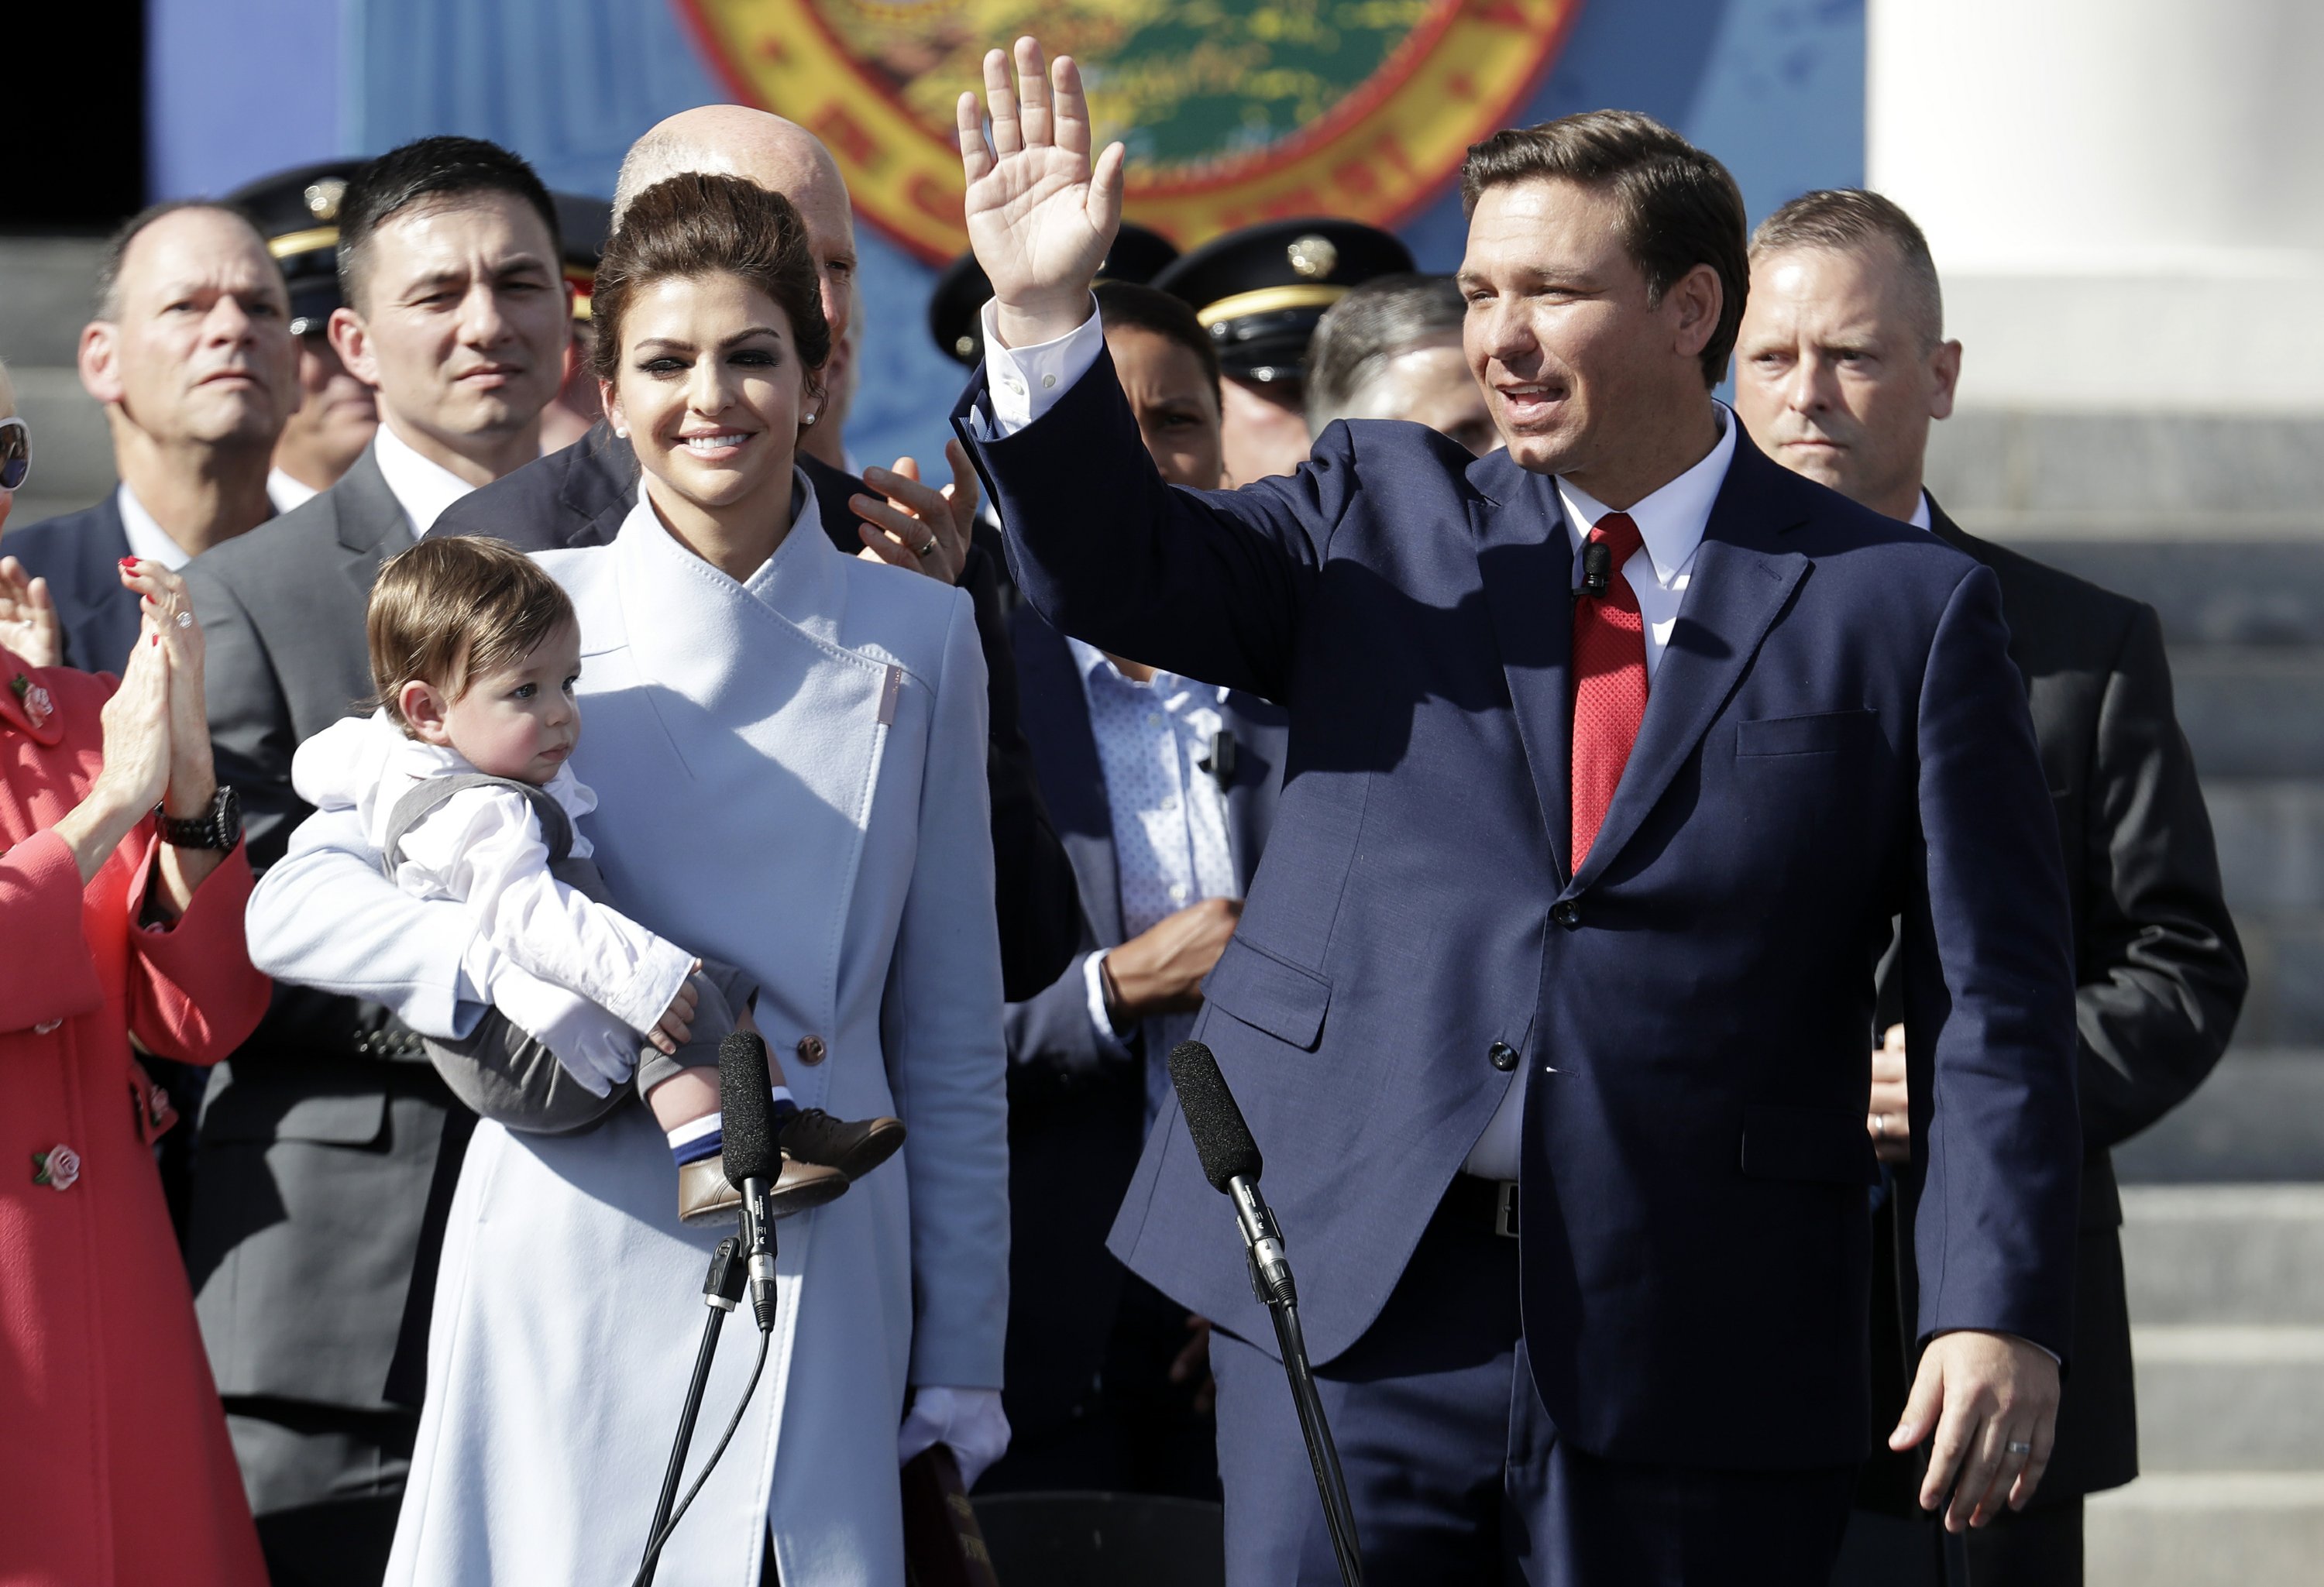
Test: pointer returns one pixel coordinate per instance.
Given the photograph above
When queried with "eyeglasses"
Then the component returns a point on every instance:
(15, 453)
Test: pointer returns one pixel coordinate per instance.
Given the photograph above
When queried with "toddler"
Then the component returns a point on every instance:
(461, 780)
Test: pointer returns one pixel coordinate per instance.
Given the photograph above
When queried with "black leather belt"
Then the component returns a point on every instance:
(1491, 1202)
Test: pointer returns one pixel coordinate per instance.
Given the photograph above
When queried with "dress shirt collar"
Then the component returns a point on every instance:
(286, 493)
(1670, 520)
(1921, 518)
(1089, 659)
(421, 487)
(147, 538)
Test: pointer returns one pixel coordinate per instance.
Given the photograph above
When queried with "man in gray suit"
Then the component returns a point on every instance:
(326, 1147)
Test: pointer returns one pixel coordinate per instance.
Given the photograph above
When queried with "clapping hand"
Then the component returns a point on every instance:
(166, 606)
(28, 617)
(1040, 218)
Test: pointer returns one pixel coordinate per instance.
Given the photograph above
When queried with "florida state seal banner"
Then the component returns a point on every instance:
(1234, 110)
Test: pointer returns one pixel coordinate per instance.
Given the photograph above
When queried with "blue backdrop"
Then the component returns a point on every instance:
(1774, 88)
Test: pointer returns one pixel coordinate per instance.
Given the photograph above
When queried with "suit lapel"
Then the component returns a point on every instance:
(1739, 582)
(1525, 559)
(109, 616)
(372, 523)
(1056, 715)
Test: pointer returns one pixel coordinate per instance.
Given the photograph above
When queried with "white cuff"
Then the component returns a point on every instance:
(969, 1420)
(1025, 382)
(1101, 1021)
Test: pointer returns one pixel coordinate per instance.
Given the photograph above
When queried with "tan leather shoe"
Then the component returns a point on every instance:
(704, 1196)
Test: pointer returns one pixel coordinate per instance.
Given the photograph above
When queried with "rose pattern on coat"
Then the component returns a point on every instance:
(57, 1168)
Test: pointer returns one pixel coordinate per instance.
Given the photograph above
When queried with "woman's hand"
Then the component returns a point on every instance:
(1039, 217)
(28, 617)
(919, 527)
(193, 778)
(136, 766)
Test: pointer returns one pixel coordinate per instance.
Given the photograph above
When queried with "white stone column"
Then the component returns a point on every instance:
(2125, 198)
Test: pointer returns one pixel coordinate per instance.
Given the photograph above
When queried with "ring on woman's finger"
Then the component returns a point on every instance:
(185, 620)
(2017, 1446)
(927, 549)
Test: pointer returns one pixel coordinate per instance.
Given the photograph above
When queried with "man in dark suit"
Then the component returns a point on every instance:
(1165, 790)
(1625, 812)
(578, 496)
(1842, 364)
(191, 352)
(328, 1142)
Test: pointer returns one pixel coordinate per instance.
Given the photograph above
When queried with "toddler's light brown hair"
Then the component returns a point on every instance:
(453, 608)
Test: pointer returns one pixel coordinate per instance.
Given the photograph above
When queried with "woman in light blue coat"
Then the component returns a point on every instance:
(787, 749)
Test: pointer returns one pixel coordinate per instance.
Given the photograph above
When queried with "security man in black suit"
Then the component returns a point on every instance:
(1841, 366)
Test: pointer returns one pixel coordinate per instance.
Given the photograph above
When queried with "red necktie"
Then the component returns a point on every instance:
(1609, 683)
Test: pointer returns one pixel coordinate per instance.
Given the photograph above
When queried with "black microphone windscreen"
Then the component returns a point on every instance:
(746, 1099)
(1221, 1139)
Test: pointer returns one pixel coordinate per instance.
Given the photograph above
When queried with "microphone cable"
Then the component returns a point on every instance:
(653, 1555)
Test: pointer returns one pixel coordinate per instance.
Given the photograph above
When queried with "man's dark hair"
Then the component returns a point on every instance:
(1844, 220)
(1678, 207)
(107, 293)
(1359, 335)
(425, 170)
(1127, 303)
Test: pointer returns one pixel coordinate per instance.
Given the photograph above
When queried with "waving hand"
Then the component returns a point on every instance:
(1040, 218)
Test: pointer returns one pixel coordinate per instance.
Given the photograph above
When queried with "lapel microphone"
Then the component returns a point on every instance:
(1597, 569)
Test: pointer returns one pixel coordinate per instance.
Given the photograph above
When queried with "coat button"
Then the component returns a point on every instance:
(811, 1050)
(1503, 1056)
(1567, 914)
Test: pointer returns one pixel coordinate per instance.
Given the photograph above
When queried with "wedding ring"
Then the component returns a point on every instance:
(928, 548)
(1880, 1125)
(2013, 1447)
(185, 620)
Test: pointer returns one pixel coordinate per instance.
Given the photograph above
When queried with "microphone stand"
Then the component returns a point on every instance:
(1270, 1282)
(721, 1292)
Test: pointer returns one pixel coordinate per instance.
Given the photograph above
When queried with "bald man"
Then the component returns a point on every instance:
(578, 497)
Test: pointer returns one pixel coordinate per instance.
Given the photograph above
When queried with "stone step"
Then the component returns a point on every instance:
(2284, 950)
(2251, 590)
(2194, 1255)
(2259, 1118)
(2252, 710)
(2271, 839)
(72, 452)
(2117, 466)
(45, 284)
(2207, 1529)
(2230, 1396)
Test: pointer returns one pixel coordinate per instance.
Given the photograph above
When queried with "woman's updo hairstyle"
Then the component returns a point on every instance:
(695, 225)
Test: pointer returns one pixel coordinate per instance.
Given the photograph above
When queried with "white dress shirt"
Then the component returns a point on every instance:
(148, 540)
(286, 493)
(1920, 518)
(1169, 818)
(421, 487)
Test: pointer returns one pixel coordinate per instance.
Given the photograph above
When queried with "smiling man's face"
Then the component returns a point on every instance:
(197, 349)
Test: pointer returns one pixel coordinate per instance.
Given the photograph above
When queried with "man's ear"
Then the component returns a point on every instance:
(1693, 302)
(99, 360)
(1944, 378)
(352, 342)
(422, 706)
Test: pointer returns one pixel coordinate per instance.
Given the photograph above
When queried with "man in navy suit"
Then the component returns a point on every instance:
(1163, 791)
(1612, 756)
(191, 353)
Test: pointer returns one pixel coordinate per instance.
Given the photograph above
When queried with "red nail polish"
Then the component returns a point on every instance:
(129, 562)
(156, 639)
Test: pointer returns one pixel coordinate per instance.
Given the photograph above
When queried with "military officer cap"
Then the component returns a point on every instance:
(583, 225)
(956, 310)
(296, 211)
(1260, 291)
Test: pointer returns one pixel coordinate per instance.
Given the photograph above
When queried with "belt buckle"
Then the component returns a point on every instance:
(1505, 1208)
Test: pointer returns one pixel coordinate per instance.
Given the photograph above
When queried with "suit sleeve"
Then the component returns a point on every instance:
(1051, 1031)
(251, 736)
(2163, 975)
(1989, 991)
(1037, 906)
(1211, 584)
(941, 1020)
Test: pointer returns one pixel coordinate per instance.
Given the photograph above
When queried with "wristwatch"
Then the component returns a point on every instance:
(218, 827)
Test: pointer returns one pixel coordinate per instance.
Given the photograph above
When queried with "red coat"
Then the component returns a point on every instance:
(114, 1465)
